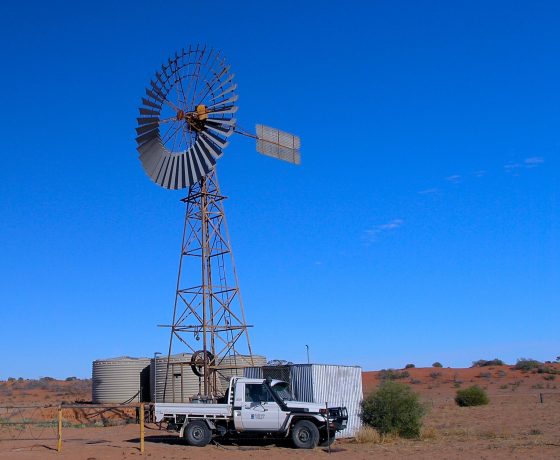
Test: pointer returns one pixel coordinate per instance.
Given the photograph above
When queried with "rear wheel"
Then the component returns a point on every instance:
(197, 433)
(305, 435)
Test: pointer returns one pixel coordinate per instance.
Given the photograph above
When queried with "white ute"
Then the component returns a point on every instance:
(254, 408)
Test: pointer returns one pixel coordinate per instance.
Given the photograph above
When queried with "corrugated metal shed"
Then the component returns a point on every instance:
(320, 383)
(120, 380)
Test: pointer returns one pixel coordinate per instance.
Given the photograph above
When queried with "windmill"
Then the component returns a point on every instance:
(186, 119)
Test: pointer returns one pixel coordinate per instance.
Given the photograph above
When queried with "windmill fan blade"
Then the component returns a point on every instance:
(185, 118)
(278, 144)
(226, 91)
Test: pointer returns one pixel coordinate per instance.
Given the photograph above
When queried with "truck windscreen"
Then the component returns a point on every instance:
(283, 391)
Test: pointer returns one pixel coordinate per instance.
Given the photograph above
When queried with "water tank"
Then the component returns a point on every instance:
(236, 366)
(120, 380)
(183, 384)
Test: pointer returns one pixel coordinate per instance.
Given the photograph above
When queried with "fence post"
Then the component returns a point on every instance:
(141, 428)
(541, 395)
(59, 444)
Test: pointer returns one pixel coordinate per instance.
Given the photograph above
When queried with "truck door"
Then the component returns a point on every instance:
(259, 410)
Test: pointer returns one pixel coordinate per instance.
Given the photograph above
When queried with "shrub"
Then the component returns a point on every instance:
(549, 377)
(437, 364)
(393, 409)
(435, 375)
(485, 375)
(391, 374)
(71, 379)
(547, 370)
(524, 364)
(409, 366)
(471, 396)
(485, 363)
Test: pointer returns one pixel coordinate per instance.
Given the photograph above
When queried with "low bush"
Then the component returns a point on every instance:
(549, 377)
(435, 375)
(471, 396)
(391, 374)
(486, 362)
(437, 364)
(409, 366)
(393, 409)
(524, 364)
(547, 370)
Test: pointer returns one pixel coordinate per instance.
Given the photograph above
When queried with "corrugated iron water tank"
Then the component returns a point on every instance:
(233, 366)
(183, 384)
(120, 380)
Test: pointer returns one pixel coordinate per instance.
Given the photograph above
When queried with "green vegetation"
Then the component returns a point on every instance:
(486, 362)
(393, 409)
(524, 364)
(471, 396)
(437, 364)
(391, 374)
(409, 366)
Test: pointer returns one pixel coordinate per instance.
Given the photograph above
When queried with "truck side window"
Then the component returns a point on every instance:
(256, 392)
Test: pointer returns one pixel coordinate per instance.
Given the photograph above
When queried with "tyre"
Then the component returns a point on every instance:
(305, 435)
(197, 433)
(326, 442)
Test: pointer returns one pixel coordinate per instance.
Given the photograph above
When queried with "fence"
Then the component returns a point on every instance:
(48, 423)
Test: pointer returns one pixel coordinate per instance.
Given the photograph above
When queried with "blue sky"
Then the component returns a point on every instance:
(422, 225)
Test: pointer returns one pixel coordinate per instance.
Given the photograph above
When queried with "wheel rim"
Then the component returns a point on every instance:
(304, 435)
(197, 433)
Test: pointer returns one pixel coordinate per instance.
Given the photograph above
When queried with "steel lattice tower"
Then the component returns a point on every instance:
(208, 312)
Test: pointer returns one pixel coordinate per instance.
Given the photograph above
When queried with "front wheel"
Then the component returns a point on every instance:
(197, 433)
(325, 441)
(305, 435)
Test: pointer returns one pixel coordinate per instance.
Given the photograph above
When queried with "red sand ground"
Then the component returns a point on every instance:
(514, 425)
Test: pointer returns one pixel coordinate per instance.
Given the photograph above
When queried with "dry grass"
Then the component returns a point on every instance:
(369, 435)
(429, 433)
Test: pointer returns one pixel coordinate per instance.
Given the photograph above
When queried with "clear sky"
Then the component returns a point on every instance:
(423, 223)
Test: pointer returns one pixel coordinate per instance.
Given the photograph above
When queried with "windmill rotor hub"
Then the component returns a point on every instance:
(194, 120)
(201, 112)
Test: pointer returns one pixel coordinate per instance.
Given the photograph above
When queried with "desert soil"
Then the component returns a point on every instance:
(515, 425)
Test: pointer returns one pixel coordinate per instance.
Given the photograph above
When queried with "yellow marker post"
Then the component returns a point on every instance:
(142, 428)
(59, 445)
